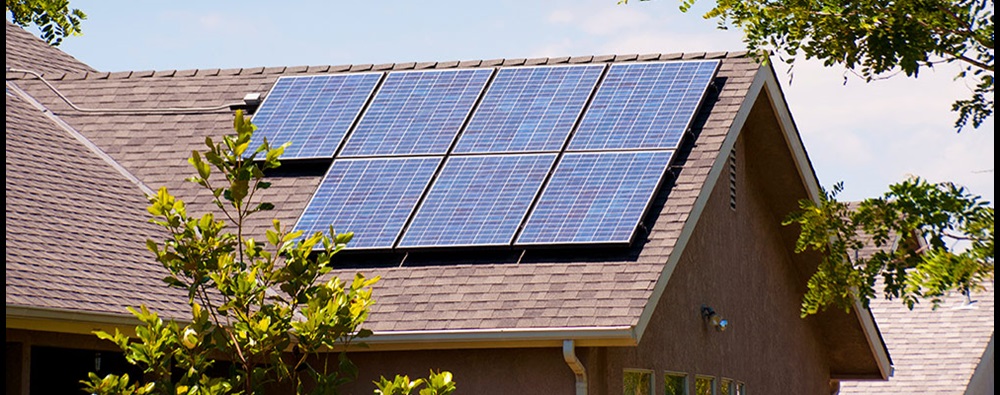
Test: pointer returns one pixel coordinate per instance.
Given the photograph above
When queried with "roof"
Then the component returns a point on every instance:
(539, 293)
(27, 51)
(933, 351)
(60, 193)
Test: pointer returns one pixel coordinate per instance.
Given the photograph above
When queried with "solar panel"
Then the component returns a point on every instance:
(529, 109)
(371, 197)
(312, 112)
(417, 112)
(644, 105)
(595, 198)
(478, 200)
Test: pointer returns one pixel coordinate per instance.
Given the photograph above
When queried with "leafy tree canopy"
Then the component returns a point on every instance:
(875, 38)
(905, 237)
(53, 17)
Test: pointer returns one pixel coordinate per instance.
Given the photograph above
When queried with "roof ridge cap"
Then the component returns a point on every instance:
(396, 66)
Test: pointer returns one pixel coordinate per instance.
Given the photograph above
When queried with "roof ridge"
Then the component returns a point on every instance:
(66, 127)
(362, 67)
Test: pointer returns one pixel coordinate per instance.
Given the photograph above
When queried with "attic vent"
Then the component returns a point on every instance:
(732, 179)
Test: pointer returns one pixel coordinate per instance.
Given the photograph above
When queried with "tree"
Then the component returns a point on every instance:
(260, 306)
(53, 17)
(935, 215)
(877, 39)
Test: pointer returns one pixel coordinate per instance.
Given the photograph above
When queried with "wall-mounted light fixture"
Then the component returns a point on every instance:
(720, 324)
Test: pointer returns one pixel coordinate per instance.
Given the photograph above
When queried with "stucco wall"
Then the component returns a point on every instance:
(737, 262)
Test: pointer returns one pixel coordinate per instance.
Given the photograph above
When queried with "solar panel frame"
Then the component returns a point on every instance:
(504, 114)
(421, 171)
(554, 186)
(344, 118)
(379, 127)
(596, 134)
(527, 174)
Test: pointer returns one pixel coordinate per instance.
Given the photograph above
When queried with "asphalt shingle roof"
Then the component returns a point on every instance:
(75, 225)
(542, 291)
(933, 351)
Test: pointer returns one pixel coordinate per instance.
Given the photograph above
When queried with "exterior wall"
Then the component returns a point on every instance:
(496, 371)
(738, 262)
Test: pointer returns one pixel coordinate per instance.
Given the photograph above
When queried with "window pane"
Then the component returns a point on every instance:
(676, 384)
(703, 385)
(638, 383)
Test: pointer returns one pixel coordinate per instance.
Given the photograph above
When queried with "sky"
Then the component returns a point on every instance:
(867, 135)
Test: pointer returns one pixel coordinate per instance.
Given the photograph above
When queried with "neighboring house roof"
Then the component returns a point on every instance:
(27, 51)
(597, 297)
(933, 351)
(75, 225)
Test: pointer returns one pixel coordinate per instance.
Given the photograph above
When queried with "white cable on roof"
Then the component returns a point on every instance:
(170, 110)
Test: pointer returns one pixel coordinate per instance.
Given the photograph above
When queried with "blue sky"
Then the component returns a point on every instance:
(867, 135)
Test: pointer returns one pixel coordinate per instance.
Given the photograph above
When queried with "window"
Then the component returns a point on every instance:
(740, 390)
(727, 387)
(638, 382)
(676, 383)
(704, 385)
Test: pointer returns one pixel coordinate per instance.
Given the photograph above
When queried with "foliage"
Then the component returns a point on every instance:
(436, 384)
(258, 306)
(53, 17)
(935, 215)
(875, 38)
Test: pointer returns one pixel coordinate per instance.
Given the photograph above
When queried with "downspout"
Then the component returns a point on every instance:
(569, 354)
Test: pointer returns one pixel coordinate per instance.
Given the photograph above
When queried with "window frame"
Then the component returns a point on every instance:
(650, 372)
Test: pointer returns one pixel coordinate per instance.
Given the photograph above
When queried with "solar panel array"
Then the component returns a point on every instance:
(549, 155)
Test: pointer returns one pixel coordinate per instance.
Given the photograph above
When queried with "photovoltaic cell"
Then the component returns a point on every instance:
(644, 105)
(417, 112)
(529, 109)
(595, 198)
(371, 197)
(313, 112)
(478, 200)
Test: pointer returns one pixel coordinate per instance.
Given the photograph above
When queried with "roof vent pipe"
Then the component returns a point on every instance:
(569, 354)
